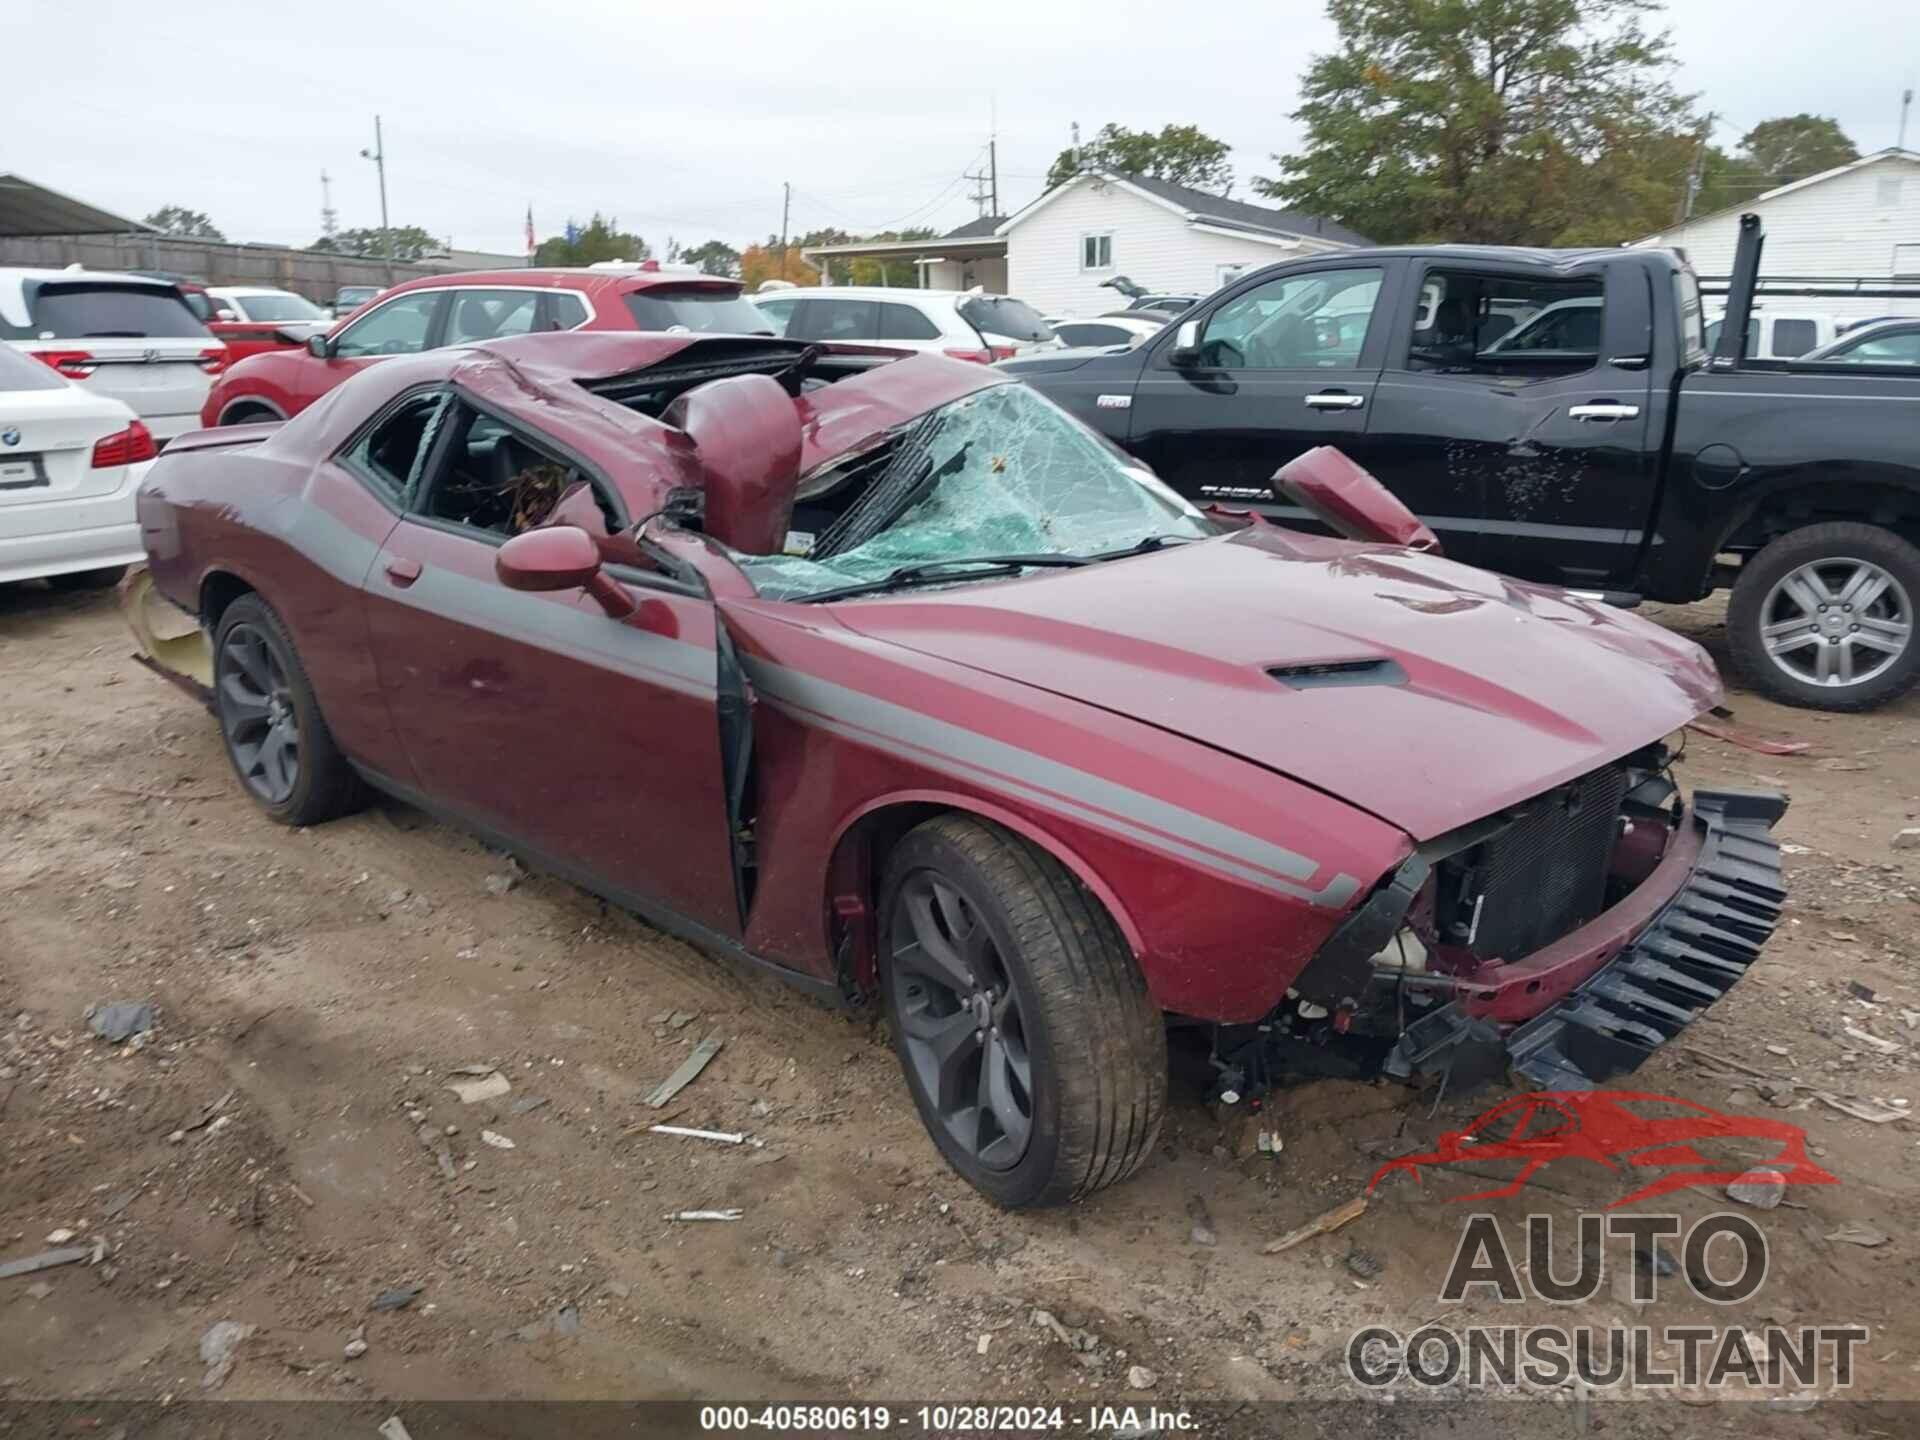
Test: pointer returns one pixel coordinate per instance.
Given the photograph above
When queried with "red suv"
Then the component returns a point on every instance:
(436, 311)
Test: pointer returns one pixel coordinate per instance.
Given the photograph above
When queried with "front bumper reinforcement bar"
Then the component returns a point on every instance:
(1700, 942)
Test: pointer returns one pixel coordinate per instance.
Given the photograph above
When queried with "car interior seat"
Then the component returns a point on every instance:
(1449, 342)
(475, 320)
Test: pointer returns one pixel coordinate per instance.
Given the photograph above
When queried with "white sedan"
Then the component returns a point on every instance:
(1106, 330)
(70, 460)
(261, 305)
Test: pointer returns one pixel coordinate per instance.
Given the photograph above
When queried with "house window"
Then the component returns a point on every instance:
(1906, 261)
(1886, 194)
(1096, 251)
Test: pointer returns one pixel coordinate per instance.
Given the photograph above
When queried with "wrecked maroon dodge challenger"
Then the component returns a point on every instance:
(891, 675)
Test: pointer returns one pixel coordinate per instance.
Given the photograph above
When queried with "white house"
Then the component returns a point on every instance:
(1858, 222)
(1165, 237)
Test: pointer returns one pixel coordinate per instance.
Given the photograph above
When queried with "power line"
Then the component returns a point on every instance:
(923, 210)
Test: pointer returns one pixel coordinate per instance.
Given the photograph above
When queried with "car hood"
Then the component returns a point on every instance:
(1423, 691)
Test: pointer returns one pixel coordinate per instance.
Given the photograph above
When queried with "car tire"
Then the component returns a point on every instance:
(104, 579)
(1037, 961)
(1794, 635)
(266, 708)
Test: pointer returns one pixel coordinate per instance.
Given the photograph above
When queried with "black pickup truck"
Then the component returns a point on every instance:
(1555, 415)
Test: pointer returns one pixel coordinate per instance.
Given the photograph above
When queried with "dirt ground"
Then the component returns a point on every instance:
(261, 1159)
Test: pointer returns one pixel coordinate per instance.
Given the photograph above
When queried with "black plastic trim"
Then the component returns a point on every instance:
(1707, 936)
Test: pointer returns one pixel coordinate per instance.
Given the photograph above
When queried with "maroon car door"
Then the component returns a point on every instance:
(588, 742)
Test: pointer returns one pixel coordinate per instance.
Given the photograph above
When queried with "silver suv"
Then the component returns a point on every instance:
(128, 336)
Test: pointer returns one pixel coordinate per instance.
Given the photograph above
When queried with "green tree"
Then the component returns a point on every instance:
(1727, 180)
(1494, 121)
(601, 238)
(178, 220)
(897, 270)
(1793, 147)
(409, 242)
(716, 257)
(1180, 154)
(769, 262)
(1773, 153)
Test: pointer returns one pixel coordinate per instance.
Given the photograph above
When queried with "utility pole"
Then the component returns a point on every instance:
(1906, 104)
(993, 152)
(329, 217)
(379, 157)
(786, 209)
(1684, 212)
(980, 192)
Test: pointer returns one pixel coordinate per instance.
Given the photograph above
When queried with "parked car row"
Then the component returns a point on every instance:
(434, 312)
(966, 324)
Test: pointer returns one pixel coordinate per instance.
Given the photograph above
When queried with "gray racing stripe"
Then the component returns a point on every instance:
(692, 670)
(657, 659)
(1092, 798)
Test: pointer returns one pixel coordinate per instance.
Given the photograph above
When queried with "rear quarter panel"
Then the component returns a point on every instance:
(1183, 844)
(302, 536)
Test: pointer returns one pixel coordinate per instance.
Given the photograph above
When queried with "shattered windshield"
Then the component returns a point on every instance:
(1000, 472)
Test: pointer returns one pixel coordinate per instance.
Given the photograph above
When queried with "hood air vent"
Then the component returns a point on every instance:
(1326, 674)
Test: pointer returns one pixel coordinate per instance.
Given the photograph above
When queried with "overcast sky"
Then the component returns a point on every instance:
(684, 122)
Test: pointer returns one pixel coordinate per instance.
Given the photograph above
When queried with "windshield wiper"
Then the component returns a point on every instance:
(933, 572)
(1147, 546)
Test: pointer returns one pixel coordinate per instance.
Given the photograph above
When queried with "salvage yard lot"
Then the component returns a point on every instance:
(324, 984)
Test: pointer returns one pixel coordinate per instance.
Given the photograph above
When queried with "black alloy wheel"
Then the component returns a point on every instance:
(1030, 1043)
(257, 716)
(960, 1021)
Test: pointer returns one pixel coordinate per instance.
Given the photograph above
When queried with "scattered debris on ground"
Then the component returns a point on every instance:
(1325, 1224)
(688, 1072)
(218, 1348)
(122, 1020)
(489, 1087)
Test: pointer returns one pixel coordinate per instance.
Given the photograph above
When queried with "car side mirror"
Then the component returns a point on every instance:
(1186, 344)
(560, 557)
(224, 314)
(320, 346)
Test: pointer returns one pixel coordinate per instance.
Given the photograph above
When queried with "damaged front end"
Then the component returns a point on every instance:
(1563, 939)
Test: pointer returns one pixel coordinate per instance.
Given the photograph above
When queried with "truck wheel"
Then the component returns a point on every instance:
(1824, 617)
(275, 735)
(1035, 1055)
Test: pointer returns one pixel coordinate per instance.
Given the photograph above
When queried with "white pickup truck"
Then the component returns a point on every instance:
(1779, 334)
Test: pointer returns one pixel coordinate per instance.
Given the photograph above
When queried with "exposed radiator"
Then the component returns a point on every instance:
(1546, 873)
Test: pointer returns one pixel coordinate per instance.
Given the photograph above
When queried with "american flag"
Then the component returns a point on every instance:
(530, 246)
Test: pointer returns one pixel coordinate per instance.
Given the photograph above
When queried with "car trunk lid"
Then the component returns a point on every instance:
(46, 447)
(163, 380)
(137, 342)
